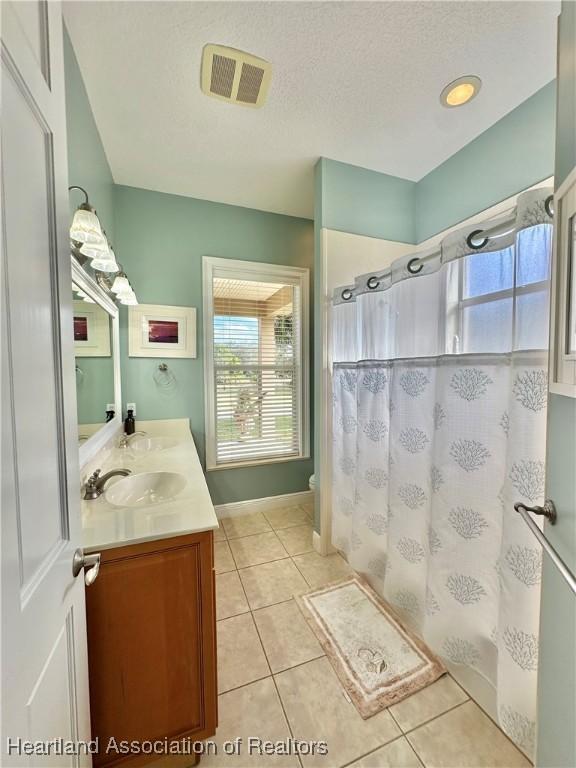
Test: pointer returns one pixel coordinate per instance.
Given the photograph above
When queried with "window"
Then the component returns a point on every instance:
(256, 364)
(492, 285)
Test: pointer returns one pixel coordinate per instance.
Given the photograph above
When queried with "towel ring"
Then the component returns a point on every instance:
(412, 269)
(346, 294)
(470, 240)
(372, 282)
(549, 206)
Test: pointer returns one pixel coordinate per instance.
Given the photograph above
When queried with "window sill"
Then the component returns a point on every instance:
(256, 463)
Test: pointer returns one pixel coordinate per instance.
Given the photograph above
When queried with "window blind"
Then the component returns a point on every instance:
(257, 379)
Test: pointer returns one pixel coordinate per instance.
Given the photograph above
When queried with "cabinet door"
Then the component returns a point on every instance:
(151, 640)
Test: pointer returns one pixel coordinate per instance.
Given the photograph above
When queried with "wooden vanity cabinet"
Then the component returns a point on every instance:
(152, 644)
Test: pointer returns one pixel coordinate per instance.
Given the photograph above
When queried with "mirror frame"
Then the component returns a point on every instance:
(562, 368)
(88, 449)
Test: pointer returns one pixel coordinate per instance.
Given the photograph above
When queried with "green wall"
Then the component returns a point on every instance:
(94, 388)
(87, 163)
(366, 202)
(161, 240)
(88, 167)
(557, 675)
(513, 154)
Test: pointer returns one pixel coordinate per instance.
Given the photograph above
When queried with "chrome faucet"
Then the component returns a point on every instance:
(125, 439)
(95, 484)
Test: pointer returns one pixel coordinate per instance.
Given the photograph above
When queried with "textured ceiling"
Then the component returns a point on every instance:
(357, 82)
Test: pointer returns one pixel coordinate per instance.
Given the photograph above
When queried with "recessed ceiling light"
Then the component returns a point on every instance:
(460, 91)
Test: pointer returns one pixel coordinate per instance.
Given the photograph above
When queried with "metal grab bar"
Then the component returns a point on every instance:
(547, 547)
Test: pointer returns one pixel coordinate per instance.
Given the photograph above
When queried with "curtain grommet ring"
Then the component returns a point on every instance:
(412, 269)
(346, 294)
(470, 240)
(372, 282)
(549, 206)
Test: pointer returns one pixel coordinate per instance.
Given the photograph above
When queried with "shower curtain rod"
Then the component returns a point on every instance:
(476, 240)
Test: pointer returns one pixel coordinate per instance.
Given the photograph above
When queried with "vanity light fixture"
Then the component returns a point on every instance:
(460, 91)
(120, 284)
(105, 262)
(129, 299)
(86, 227)
(90, 244)
(119, 287)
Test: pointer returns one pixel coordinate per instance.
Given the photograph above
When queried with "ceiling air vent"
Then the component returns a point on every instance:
(235, 76)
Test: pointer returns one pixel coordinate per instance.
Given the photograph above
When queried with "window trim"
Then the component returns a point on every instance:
(487, 298)
(253, 270)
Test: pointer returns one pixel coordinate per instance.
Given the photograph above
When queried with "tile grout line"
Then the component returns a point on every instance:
(386, 744)
(290, 730)
(431, 719)
(288, 723)
(300, 572)
(403, 733)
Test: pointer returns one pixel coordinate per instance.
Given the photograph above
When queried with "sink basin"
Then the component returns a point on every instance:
(145, 489)
(150, 444)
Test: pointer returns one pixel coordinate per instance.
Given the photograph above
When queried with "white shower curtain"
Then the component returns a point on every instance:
(440, 390)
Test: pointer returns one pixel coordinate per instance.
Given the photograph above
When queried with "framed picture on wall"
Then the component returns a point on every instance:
(161, 331)
(91, 330)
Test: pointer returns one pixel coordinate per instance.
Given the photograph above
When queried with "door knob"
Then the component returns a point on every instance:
(90, 564)
(548, 510)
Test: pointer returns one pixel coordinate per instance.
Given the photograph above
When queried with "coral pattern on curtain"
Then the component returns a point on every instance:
(439, 423)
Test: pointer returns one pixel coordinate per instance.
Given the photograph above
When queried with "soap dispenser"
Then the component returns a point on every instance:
(129, 423)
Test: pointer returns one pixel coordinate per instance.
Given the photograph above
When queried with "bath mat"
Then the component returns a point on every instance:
(379, 661)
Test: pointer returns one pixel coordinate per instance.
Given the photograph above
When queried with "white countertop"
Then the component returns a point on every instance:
(190, 511)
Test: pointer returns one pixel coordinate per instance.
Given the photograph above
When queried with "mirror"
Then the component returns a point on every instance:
(94, 364)
(96, 353)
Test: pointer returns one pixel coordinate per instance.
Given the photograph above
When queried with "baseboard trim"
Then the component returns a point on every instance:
(263, 505)
(320, 545)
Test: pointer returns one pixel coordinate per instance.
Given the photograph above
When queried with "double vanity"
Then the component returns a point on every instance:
(151, 610)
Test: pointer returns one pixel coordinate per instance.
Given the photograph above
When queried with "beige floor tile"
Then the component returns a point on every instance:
(465, 738)
(251, 711)
(245, 525)
(230, 597)
(219, 534)
(223, 560)
(430, 702)
(257, 549)
(287, 517)
(319, 570)
(317, 709)
(397, 754)
(272, 583)
(296, 540)
(286, 636)
(309, 508)
(241, 657)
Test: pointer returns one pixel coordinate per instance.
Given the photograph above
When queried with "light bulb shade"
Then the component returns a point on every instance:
(105, 263)
(120, 284)
(86, 227)
(96, 250)
(129, 299)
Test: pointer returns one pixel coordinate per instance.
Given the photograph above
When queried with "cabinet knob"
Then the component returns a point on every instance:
(89, 563)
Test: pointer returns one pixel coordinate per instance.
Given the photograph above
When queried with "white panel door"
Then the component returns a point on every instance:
(44, 661)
